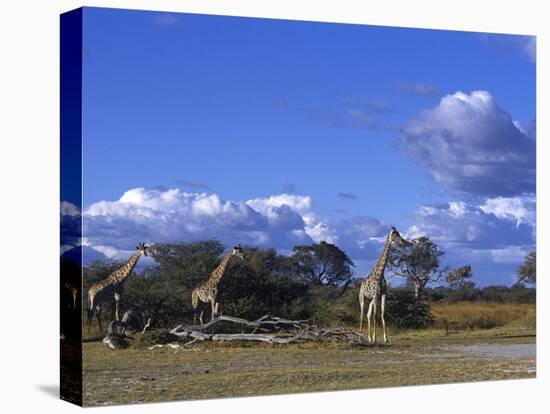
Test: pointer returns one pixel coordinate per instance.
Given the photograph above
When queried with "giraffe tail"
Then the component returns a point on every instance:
(195, 299)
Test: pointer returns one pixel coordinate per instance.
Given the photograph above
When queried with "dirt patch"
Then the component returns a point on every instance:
(528, 351)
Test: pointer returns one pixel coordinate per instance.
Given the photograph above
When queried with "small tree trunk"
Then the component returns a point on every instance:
(417, 289)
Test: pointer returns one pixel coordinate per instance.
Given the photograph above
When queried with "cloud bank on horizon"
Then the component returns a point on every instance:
(501, 228)
(281, 221)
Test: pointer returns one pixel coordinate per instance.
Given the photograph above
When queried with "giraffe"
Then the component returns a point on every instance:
(112, 285)
(73, 289)
(208, 291)
(374, 287)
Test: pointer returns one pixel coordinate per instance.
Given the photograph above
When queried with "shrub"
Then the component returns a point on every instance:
(403, 310)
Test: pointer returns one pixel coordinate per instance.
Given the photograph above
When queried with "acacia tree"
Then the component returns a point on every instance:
(418, 264)
(322, 263)
(527, 272)
(460, 277)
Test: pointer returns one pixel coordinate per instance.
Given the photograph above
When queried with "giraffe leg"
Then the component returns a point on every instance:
(374, 321)
(200, 317)
(362, 310)
(117, 306)
(195, 304)
(213, 305)
(90, 319)
(98, 316)
(91, 308)
(382, 308)
(369, 319)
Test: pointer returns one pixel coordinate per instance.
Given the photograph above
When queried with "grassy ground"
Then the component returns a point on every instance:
(227, 370)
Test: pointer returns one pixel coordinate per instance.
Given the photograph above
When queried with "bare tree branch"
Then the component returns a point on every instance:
(283, 330)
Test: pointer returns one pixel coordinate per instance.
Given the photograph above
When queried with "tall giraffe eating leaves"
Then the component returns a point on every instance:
(374, 287)
(112, 287)
(208, 291)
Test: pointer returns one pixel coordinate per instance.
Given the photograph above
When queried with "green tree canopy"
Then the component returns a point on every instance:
(418, 264)
(459, 277)
(187, 263)
(322, 263)
(527, 272)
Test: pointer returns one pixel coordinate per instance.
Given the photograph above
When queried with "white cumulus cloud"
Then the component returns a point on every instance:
(171, 215)
(518, 209)
(497, 225)
(315, 228)
(68, 209)
(470, 145)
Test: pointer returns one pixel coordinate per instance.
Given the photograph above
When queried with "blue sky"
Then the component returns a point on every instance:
(275, 133)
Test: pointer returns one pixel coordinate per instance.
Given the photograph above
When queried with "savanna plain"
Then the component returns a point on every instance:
(455, 349)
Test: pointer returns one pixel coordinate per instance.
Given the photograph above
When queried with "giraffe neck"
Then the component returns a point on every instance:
(122, 274)
(378, 270)
(218, 272)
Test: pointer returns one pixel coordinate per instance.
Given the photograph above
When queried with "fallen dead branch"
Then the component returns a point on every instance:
(272, 330)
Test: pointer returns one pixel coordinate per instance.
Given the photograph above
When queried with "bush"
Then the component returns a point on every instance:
(516, 293)
(404, 311)
(255, 287)
(468, 292)
(329, 307)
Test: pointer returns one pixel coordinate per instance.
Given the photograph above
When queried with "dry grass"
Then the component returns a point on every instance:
(481, 315)
(208, 370)
(212, 371)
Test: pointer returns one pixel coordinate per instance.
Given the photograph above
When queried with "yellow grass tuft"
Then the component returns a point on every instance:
(480, 315)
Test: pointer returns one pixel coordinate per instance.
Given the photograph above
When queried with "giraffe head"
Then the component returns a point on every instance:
(397, 238)
(238, 252)
(142, 249)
